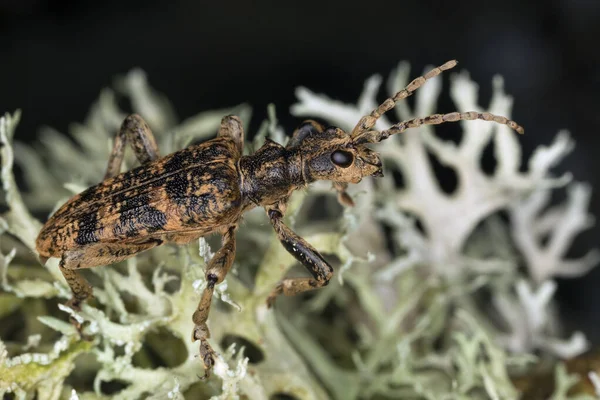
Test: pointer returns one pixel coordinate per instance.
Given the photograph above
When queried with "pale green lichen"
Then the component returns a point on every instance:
(406, 317)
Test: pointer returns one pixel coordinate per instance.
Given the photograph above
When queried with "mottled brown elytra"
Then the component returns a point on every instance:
(206, 188)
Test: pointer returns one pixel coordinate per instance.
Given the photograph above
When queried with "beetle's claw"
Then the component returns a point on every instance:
(271, 301)
(207, 354)
(273, 296)
(208, 358)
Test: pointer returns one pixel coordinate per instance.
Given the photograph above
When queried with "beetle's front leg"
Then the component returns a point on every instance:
(303, 252)
(216, 271)
(137, 132)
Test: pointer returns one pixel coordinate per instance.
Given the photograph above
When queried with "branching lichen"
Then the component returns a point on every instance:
(406, 318)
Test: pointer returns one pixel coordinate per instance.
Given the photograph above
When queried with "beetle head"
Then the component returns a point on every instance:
(332, 154)
(329, 153)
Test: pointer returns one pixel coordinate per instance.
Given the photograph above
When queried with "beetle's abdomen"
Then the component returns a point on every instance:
(184, 196)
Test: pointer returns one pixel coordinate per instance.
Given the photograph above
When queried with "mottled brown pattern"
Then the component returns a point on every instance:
(171, 194)
(206, 188)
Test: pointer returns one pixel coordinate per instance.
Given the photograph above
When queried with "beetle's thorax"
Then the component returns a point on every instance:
(271, 174)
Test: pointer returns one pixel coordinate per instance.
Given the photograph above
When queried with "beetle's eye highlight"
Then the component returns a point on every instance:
(342, 158)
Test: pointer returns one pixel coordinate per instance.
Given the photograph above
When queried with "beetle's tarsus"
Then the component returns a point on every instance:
(206, 352)
(208, 358)
(75, 305)
(273, 296)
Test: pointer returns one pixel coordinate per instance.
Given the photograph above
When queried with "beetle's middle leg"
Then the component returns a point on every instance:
(231, 126)
(303, 252)
(137, 132)
(216, 270)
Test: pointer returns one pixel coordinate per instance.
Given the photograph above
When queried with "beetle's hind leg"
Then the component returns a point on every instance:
(90, 256)
(303, 252)
(137, 132)
(80, 288)
(216, 270)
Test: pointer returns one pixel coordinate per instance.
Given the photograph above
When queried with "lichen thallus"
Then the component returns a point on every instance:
(206, 188)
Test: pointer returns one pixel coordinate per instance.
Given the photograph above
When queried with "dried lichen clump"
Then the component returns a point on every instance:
(409, 317)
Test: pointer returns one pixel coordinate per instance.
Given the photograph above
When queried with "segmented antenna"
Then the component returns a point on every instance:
(436, 119)
(362, 132)
(367, 122)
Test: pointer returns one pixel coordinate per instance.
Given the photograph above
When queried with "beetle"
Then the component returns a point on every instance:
(205, 189)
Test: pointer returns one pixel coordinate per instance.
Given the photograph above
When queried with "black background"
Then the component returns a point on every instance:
(55, 56)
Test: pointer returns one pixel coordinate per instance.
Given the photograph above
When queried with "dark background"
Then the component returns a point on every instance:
(55, 56)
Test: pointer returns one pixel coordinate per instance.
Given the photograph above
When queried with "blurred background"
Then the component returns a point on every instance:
(55, 56)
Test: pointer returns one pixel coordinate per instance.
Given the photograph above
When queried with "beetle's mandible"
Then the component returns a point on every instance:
(206, 188)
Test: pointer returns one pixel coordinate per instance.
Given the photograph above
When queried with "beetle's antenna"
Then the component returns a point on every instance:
(436, 119)
(367, 122)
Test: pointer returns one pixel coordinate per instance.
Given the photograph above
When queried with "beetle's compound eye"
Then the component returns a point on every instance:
(342, 158)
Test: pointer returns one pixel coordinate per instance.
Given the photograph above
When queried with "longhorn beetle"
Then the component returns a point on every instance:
(206, 188)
